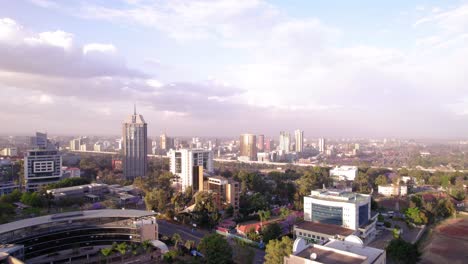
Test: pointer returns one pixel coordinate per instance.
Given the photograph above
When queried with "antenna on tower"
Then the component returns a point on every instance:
(134, 108)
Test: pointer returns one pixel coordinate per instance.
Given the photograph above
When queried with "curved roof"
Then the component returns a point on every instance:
(78, 215)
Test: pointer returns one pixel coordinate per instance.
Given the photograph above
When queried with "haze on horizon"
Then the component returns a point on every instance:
(202, 67)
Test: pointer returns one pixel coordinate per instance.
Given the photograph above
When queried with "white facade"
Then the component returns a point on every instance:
(42, 167)
(321, 145)
(348, 173)
(299, 138)
(284, 142)
(9, 152)
(393, 190)
(347, 202)
(184, 160)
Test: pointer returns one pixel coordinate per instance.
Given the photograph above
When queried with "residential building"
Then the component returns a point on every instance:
(7, 187)
(41, 167)
(269, 145)
(299, 139)
(341, 208)
(348, 251)
(98, 146)
(393, 190)
(135, 146)
(344, 173)
(263, 156)
(248, 147)
(75, 144)
(187, 163)
(322, 145)
(9, 152)
(260, 143)
(285, 142)
(71, 172)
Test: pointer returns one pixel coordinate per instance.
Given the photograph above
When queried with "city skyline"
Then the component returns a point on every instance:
(377, 70)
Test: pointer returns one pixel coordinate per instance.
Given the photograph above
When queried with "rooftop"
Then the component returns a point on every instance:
(371, 253)
(329, 256)
(338, 195)
(78, 215)
(325, 228)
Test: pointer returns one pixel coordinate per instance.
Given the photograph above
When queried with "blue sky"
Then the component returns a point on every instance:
(202, 67)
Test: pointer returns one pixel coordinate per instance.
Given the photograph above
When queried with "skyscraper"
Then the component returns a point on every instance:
(299, 138)
(284, 141)
(135, 146)
(261, 143)
(248, 147)
(188, 164)
(321, 144)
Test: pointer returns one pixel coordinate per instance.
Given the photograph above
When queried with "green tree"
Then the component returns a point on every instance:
(106, 252)
(284, 212)
(271, 231)
(402, 252)
(276, 250)
(215, 249)
(416, 216)
(147, 245)
(189, 244)
(445, 208)
(122, 249)
(264, 216)
(381, 180)
(243, 254)
(157, 199)
(176, 238)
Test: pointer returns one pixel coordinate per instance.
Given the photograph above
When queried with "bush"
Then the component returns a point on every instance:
(380, 218)
(387, 224)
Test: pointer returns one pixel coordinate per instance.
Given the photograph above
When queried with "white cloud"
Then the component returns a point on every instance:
(99, 47)
(57, 38)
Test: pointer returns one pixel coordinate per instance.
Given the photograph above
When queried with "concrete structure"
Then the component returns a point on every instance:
(344, 173)
(322, 145)
(40, 141)
(248, 147)
(285, 142)
(188, 164)
(260, 143)
(70, 172)
(263, 156)
(41, 167)
(50, 238)
(341, 208)
(166, 143)
(9, 152)
(79, 191)
(11, 254)
(299, 139)
(393, 190)
(349, 251)
(227, 190)
(314, 232)
(135, 147)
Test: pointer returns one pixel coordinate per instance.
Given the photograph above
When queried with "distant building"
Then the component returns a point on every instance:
(135, 147)
(41, 167)
(349, 251)
(285, 142)
(263, 156)
(322, 145)
(75, 144)
(71, 172)
(344, 173)
(340, 208)
(248, 147)
(269, 145)
(260, 143)
(117, 164)
(40, 141)
(166, 143)
(299, 139)
(188, 164)
(9, 152)
(7, 187)
(227, 190)
(393, 190)
(98, 146)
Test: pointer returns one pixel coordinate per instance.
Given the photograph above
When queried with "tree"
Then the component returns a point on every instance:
(243, 254)
(284, 212)
(157, 199)
(176, 239)
(381, 180)
(402, 252)
(106, 252)
(31, 199)
(272, 231)
(215, 249)
(189, 244)
(276, 250)
(416, 216)
(264, 216)
(147, 245)
(445, 208)
(122, 249)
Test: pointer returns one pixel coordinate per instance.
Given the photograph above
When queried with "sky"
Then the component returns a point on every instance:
(221, 68)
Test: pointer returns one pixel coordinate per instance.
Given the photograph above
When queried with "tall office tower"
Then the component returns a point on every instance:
(135, 146)
(248, 147)
(40, 141)
(285, 141)
(163, 141)
(299, 137)
(269, 144)
(321, 144)
(188, 164)
(41, 167)
(261, 143)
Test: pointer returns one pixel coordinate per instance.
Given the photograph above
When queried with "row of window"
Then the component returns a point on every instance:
(311, 236)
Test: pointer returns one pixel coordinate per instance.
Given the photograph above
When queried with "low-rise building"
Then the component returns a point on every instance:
(344, 173)
(227, 190)
(79, 191)
(349, 251)
(393, 190)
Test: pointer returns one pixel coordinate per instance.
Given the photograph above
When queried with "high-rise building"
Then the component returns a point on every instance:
(248, 147)
(167, 143)
(269, 145)
(322, 145)
(227, 191)
(284, 142)
(261, 143)
(135, 146)
(39, 141)
(41, 167)
(299, 138)
(188, 164)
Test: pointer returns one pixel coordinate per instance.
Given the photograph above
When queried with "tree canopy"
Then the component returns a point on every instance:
(215, 249)
(276, 250)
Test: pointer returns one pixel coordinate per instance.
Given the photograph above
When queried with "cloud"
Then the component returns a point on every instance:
(98, 47)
